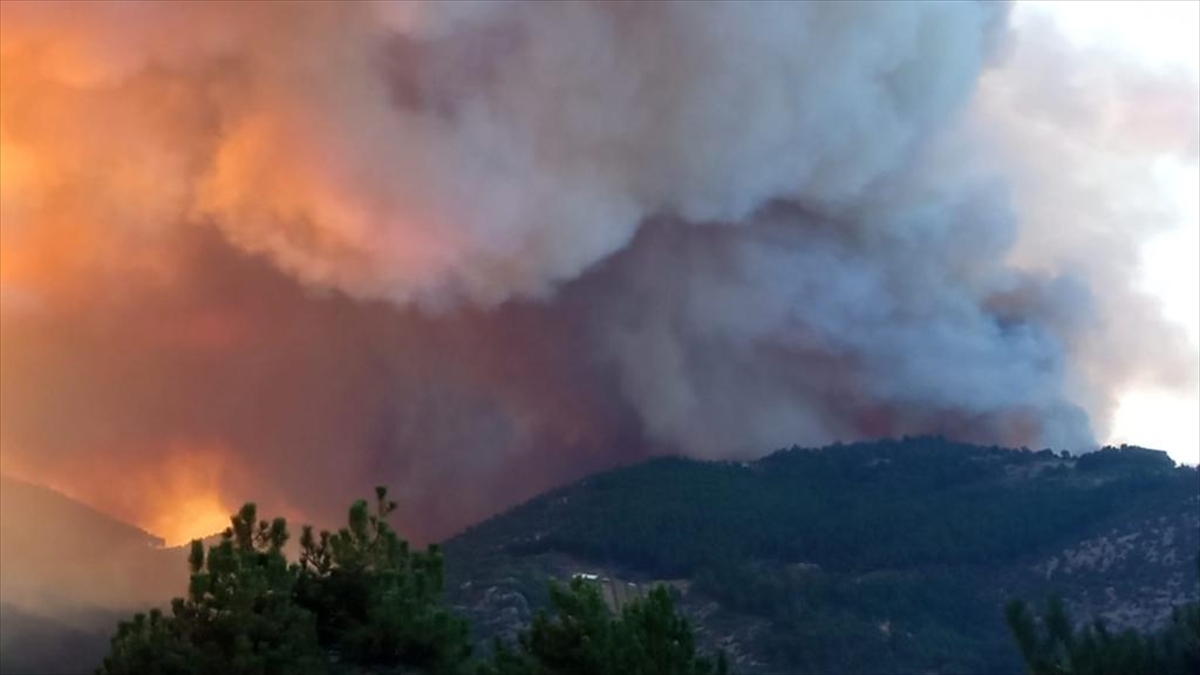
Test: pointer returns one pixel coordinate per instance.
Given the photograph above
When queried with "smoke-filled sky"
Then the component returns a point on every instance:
(1155, 34)
(473, 250)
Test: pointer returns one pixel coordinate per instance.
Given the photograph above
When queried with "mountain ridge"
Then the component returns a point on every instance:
(866, 557)
(885, 556)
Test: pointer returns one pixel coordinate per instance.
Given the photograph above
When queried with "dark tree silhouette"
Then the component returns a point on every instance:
(357, 601)
(583, 638)
(1051, 646)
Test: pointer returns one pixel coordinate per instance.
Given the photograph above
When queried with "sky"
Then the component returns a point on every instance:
(1163, 35)
(284, 251)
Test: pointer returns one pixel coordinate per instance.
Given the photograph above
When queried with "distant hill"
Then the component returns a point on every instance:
(53, 550)
(17, 496)
(67, 572)
(891, 556)
(31, 644)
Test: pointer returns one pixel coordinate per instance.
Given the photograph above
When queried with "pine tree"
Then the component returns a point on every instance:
(583, 638)
(360, 601)
(357, 601)
(238, 617)
(1058, 648)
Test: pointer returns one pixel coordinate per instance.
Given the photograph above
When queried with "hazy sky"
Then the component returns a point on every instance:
(1165, 35)
(285, 251)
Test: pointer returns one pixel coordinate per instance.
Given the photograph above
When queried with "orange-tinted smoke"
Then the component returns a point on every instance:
(302, 402)
(204, 205)
(175, 491)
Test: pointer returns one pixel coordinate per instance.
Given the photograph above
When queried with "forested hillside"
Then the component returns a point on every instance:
(891, 556)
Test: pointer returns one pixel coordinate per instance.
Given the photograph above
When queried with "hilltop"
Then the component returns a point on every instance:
(889, 556)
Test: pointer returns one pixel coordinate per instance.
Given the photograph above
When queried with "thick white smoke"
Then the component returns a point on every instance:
(497, 153)
(747, 225)
(485, 152)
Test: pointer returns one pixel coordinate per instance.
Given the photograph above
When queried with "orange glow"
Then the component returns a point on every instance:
(121, 128)
(179, 497)
(97, 166)
(14, 168)
(185, 496)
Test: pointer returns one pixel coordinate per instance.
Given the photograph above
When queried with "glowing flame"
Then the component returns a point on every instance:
(186, 499)
(180, 497)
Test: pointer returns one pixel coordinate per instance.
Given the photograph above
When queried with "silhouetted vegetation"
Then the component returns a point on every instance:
(1051, 645)
(893, 556)
(360, 601)
(582, 638)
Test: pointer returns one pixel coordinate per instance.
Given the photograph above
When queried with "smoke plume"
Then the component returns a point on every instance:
(473, 250)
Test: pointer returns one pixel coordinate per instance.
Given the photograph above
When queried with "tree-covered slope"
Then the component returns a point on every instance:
(891, 556)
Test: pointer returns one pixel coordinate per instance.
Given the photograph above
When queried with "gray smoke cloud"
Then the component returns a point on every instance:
(475, 249)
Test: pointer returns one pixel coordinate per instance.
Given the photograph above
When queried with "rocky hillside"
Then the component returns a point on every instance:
(892, 556)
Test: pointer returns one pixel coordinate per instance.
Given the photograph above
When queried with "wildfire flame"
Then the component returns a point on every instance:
(185, 493)
(178, 497)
